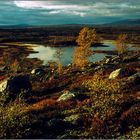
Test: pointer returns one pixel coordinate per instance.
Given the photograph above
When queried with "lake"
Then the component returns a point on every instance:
(47, 53)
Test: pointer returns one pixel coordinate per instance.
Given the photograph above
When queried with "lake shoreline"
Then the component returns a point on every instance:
(65, 35)
(32, 51)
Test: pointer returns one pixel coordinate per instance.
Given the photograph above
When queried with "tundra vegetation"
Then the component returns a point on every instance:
(81, 100)
(83, 51)
(59, 55)
(122, 43)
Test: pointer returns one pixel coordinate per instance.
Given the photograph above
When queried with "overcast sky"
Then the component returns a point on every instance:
(67, 11)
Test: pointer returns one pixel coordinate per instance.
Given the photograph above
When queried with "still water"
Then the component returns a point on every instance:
(47, 53)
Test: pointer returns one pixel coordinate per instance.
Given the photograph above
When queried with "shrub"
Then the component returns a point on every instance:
(58, 55)
(14, 65)
(86, 38)
(13, 120)
(52, 65)
(121, 44)
(100, 85)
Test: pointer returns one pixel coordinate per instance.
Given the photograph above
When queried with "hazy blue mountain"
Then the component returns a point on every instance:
(131, 22)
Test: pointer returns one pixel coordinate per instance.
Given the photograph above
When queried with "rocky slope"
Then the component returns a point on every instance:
(101, 101)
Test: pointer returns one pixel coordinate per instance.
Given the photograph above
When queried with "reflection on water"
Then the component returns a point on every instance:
(48, 53)
(44, 53)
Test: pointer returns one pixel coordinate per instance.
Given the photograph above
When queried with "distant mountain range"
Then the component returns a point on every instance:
(130, 22)
(127, 22)
(14, 26)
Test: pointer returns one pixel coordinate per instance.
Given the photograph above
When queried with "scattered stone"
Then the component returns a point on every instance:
(134, 78)
(69, 65)
(15, 85)
(117, 73)
(131, 57)
(73, 119)
(98, 67)
(115, 59)
(3, 85)
(37, 71)
(108, 60)
(67, 95)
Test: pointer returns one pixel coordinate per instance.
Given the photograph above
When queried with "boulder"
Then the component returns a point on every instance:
(73, 119)
(15, 84)
(3, 85)
(135, 78)
(67, 95)
(37, 71)
(117, 73)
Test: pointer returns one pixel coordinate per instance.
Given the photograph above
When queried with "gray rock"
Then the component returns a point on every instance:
(108, 60)
(98, 67)
(67, 95)
(37, 71)
(117, 73)
(115, 58)
(15, 84)
(3, 85)
(69, 65)
(73, 119)
(134, 78)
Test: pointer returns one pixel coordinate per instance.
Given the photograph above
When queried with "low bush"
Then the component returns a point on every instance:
(13, 121)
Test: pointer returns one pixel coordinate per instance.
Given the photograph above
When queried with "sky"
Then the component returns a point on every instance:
(53, 12)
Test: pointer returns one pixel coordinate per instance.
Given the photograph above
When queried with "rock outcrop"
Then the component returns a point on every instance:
(14, 85)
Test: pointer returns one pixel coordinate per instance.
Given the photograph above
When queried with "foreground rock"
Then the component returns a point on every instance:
(73, 119)
(67, 95)
(117, 73)
(15, 85)
(134, 78)
(3, 86)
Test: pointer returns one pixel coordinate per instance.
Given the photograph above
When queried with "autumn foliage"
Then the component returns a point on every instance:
(59, 55)
(83, 51)
(121, 44)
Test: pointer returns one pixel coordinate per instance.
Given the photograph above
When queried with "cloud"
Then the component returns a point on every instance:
(54, 7)
(48, 5)
(54, 12)
(57, 12)
(81, 14)
(81, 9)
(30, 4)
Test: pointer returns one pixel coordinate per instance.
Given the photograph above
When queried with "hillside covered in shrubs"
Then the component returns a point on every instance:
(82, 100)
